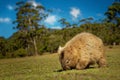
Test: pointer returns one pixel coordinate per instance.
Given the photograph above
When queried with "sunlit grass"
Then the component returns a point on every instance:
(47, 67)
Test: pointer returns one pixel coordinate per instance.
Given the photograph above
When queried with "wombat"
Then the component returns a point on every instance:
(81, 51)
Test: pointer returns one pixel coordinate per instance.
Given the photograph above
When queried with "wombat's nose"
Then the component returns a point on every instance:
(66, 68)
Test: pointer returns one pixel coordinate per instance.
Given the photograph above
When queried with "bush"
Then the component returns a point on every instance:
(19, 53)
(1, 56)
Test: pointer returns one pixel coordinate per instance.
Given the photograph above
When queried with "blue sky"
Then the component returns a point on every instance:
(72, 10)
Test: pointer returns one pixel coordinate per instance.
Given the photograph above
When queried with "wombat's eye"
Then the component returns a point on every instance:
(67, 61)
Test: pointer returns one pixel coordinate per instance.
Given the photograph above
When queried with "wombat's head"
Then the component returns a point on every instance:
(68, 58)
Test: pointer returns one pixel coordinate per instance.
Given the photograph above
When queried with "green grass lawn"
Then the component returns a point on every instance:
(47, 67)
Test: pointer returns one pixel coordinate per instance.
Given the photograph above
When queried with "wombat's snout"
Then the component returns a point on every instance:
(66, 68)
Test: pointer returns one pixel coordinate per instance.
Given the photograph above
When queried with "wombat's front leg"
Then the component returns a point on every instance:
(81, 64)
(102, 62)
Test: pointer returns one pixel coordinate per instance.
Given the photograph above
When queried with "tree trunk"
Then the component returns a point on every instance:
(28, 50)
(35, 46)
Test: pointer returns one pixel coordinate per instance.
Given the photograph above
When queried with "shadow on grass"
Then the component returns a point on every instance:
(61, 70)
(91, 67)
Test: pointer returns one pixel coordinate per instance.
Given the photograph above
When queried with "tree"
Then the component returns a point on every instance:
(86, 20)
(113, 16)
(2, 46)
(64, 22)
(74, 25)
(113, 13)
(28, 17)
(86, 23)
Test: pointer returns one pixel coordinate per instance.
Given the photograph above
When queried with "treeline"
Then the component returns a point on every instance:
(49, 40)
(30, 39)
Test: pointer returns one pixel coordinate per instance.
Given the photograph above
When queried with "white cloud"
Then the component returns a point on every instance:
(75, 12)
(10, 7)
(51, 19)
(5, 20)
(56, 27)
(35, 4)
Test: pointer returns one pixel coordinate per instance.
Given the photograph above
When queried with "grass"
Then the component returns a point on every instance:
(47, 67)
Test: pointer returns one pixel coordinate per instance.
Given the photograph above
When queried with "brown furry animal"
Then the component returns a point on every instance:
(81, 51)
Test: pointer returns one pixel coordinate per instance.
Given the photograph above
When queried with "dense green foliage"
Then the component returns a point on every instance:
(33, 38)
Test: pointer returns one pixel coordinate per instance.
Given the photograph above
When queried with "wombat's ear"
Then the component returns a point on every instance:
(60, 49)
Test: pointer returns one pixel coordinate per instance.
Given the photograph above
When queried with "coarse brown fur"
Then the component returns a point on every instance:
(81, 51)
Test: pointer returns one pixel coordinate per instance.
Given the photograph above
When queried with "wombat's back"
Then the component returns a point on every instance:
(85, 39)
